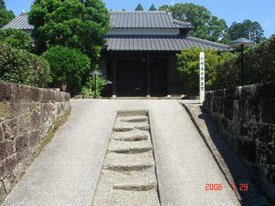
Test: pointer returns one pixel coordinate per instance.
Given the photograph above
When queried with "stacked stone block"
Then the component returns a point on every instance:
(26, 115)
(246, 117)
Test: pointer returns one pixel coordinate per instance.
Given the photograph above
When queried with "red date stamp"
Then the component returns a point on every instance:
(241, 187)
(216, 187)
(211, 187)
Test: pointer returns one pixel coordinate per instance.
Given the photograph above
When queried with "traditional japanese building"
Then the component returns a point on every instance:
(140, 54)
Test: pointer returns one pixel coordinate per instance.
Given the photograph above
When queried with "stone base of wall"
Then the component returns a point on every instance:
(246, 117)
(26, 115)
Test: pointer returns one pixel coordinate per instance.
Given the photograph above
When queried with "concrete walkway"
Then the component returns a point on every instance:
(66, 173)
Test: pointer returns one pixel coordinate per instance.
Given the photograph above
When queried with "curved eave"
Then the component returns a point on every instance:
(159, 43)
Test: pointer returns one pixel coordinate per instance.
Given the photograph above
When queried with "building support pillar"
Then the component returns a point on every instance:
(114, 72)
(148, 75)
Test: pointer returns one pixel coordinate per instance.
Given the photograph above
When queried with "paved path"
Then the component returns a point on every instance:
(67, 171)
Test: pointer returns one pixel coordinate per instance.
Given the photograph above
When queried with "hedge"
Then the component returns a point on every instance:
(259, 66)
(20, 66)
(188, 66)
(68, 68)
(16, 38)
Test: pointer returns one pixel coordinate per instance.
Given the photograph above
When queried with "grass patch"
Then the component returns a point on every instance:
(48, 138)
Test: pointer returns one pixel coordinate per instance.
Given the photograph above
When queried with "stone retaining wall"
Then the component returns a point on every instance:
(246, 117)
(26, 115)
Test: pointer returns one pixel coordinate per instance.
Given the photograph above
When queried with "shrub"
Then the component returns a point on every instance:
(78, 24)
(89, 88)
(16, 38)
(188, 65)
(259, 66)
(20, 66)
(68, 67)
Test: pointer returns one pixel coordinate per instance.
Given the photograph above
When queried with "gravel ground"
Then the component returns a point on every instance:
(67, 171)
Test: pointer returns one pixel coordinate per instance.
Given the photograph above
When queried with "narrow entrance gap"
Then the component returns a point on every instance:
(128, 175)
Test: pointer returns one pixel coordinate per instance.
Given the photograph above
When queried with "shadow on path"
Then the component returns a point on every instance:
(235, 172)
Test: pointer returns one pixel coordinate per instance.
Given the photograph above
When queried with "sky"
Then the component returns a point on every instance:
(262, 11)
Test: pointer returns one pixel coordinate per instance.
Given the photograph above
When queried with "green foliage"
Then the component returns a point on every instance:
(164, 7)
(246, 29)
(259, 66)
(139, 7)
(89, 88)
(217, 29)
(20, 66)
(16, 38)
(205, 25)
(188, 65)
(152, 8)
(78, 24)
(5, 16)
(210, 27)
(68, 67)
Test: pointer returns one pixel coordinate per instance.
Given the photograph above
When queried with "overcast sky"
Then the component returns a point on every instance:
(262, 11)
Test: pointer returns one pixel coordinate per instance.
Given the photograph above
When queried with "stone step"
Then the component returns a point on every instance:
(128, 113)
(135, 198)
(133, 135)
(123, 129)
(133, 119)
(127, 198)
(143, 128)
(127, 129)
(123, 185)
(144, 158)
(128, 176)
(128, 167)
(121, 126)
(134, 150)
(132, 177)
(130, 147)
(135, 187)
(132, 138)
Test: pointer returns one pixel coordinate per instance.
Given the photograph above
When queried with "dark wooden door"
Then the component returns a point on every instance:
(131, 78)
(158, 77)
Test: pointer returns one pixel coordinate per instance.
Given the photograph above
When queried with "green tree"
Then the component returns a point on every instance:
(78, 24)
(16, 38)
(68, 67)
(139, 8)
(164, 7)
(5, 16)
(152, 8)
(188, 66)
(246, 29)
(20, 66)
(199, 16)
(217, 29)
(204, 24)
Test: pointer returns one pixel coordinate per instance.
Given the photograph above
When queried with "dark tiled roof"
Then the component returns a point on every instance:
(159, 43)
(145, 19)
(21, 22)
(120, 19)
(140, 19)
